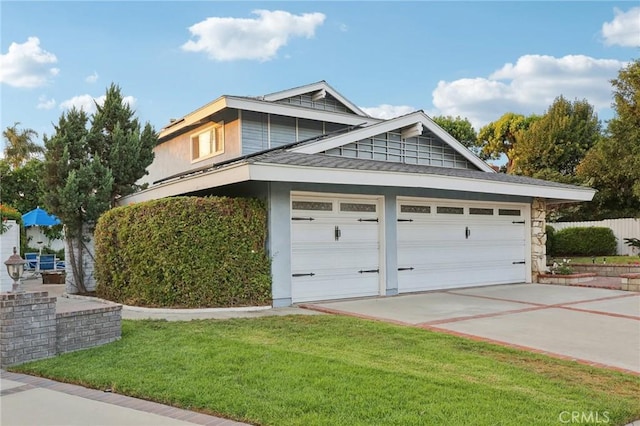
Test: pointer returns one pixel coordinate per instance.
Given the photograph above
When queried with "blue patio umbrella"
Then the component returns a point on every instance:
(39, 217)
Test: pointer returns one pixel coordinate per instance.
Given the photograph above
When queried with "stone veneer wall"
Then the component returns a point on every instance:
(538, 238)
(30, 328)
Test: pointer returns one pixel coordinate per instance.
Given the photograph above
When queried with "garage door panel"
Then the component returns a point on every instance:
(354, 256)
(452, 277)
(324, 287)
(459, 245)
(337, 254)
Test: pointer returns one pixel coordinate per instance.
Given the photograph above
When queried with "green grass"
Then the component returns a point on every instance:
(330, 370)
(609, 259)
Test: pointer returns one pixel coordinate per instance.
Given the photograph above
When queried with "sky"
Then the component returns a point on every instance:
(477, 60)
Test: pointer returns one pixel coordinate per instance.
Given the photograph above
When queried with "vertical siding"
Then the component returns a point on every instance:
(283, 130)
(263, 131)
(328, 103)
(309, 129)
(622, 228)
(255, 135)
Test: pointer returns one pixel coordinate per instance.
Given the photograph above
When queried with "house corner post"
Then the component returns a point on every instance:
(538, 238)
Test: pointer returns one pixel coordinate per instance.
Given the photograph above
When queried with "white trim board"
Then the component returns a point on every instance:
(306, 174)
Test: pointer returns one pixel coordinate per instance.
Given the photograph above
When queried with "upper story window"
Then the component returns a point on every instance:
(208, 142)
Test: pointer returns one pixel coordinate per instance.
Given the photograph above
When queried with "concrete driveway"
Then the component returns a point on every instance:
(589, 325)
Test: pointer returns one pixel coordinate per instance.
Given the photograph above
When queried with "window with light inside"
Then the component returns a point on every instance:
(208, 142)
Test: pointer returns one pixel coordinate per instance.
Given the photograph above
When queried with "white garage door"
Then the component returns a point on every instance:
(444, 244)
(335, 247)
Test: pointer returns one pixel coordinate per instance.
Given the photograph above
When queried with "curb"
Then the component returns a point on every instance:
(141, 309)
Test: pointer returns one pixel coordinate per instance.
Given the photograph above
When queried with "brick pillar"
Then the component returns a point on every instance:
(538, 238)
(27, 327)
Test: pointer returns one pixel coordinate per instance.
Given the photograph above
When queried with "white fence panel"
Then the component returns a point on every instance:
(622, 228)
(8, 240)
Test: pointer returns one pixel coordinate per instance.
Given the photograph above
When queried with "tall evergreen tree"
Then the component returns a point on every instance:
(88, 169)
(118, 139)
(77, 186)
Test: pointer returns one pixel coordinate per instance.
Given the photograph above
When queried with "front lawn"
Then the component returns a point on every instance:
(330, 370)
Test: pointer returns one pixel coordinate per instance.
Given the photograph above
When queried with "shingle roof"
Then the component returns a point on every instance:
(283, 157)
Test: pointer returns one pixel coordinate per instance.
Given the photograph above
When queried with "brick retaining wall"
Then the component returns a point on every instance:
(30, 328)
(605, 270)
(27, 327)
(630, 282)
(85, 329)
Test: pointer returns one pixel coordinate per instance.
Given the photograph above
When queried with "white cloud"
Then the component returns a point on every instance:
(44, 103)
(27, 65)
(88, 103)
(386, 111)
(528, 86)
(624, 30)
(92, 78)
(229, 39)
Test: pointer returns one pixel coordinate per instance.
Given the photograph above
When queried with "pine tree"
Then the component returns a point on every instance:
(87, 170)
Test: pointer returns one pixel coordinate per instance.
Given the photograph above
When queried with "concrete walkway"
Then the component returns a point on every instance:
(590, 325)
(34, 401)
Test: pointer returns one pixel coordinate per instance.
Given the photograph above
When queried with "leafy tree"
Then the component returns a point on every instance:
(461, 129)
(88, 169)
(501, 136)
(19, 145)
(21, 187)
(612, 166)
(553, 145)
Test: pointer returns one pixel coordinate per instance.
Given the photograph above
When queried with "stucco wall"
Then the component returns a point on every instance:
(174, 156)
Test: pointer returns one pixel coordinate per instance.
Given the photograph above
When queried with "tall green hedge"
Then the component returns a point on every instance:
(592, 241)
(184, 252)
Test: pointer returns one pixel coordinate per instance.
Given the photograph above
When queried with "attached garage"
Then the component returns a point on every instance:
(448, 244)
(335, 247)
(359, 206)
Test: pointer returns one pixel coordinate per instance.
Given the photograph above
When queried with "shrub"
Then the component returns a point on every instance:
(592, 241)
(551, 235)
(184, 252)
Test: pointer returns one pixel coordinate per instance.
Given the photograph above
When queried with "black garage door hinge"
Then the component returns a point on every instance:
(405, 220)
(310, 274)
(406, 269)
(368, 271)
(367, 220)
(302, 218)
(522, 262)
(519, 221)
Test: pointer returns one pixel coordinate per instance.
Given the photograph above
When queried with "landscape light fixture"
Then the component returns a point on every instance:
(15, 268)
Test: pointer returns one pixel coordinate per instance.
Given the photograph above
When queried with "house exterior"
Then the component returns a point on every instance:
(358, 206)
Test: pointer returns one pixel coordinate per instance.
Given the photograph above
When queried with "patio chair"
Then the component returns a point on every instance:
(47, 262)
(32, 263)
(59, 264)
